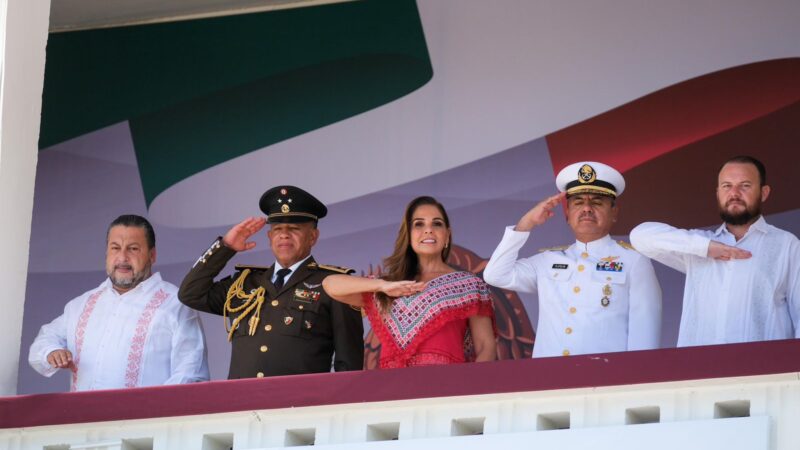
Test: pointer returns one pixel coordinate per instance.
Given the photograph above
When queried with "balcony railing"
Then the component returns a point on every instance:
(730, 396)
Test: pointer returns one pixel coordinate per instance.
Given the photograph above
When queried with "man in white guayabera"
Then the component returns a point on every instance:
(131, 330)
(742, 279)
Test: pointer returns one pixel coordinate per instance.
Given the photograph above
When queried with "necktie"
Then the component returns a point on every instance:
(281, 275)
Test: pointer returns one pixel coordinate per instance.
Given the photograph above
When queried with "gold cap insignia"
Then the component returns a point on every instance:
(586, 174)
(284, 208)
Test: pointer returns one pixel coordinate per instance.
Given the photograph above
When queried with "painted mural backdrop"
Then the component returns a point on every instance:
(368, 104)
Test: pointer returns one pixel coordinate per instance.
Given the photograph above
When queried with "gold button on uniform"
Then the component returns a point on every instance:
(576, 289)
(584, 255)
(580, 268)
(565, 353)
(268, 327)
(568, 330)
(260, 375)
(274, 303)
(573, 310)
(608, 278)
(300, 307)
(264, 348)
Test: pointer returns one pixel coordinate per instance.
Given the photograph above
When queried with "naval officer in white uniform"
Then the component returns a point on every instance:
(596, 295)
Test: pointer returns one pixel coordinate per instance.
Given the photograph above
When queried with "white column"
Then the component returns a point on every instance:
(23, 36)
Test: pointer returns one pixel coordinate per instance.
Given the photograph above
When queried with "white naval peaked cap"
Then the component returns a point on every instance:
(590, 177)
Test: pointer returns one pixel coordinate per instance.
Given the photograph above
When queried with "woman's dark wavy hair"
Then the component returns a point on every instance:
(403, 264)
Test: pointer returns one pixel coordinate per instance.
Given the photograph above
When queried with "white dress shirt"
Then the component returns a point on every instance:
(144, 337)
(292, 268)
(572, 283)
(742, 300)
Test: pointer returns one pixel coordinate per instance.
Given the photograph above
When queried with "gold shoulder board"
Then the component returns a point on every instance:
(627, 245)
(554, 249)
(241, 267)
(337, 269)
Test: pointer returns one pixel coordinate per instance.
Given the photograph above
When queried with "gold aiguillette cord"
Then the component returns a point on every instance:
(250, 301)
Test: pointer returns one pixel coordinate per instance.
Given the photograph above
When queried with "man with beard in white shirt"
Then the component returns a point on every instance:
(596, 295)
(131, 330)
(743, 278)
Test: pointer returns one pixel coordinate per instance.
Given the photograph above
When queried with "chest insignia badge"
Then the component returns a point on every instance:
(605, 301)
(305, 296)
(609, 266)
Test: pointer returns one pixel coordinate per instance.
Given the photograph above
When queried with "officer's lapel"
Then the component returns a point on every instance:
(268, 282)
(299, 275)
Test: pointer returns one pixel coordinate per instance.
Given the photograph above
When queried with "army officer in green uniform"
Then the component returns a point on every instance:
(280, 320)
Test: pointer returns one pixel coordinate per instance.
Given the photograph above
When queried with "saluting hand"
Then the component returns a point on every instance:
(402, 288)
(540, 213)
(60, 359)
(236, 238)
(718, 250)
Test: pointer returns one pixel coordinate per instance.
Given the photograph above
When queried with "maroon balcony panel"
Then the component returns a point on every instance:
(584, 371)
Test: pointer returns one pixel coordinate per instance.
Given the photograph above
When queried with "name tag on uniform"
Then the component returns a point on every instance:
(609, 266)
(560, 266)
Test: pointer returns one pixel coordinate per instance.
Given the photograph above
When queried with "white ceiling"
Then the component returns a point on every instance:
(70, 15)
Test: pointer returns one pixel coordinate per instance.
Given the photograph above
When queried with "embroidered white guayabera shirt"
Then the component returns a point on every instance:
(144, 337)
(594, 297)
(743, 300)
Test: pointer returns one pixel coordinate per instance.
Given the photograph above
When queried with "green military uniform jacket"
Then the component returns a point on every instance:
(297, 329)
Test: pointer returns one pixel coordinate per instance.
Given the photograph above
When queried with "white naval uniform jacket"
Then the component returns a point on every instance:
(571, 283)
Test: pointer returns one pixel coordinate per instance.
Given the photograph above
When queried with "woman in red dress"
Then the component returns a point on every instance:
(423, 311)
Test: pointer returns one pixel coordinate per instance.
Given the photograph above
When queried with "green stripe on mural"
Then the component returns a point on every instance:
(198, 93)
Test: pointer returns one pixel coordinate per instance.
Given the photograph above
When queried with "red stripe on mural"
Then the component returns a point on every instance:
(678, 115)
(670, 144)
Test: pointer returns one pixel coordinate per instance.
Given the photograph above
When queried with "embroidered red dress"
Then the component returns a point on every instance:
(430, 327)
